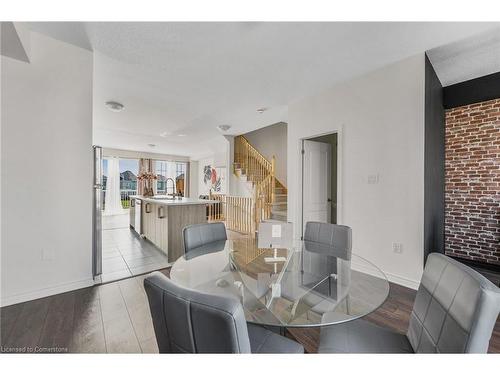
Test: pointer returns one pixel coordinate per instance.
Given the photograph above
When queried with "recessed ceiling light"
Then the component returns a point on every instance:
(151, 145)
(115, 106)
(181, 135)
(164, 134)
(224, 128)
(261, 110)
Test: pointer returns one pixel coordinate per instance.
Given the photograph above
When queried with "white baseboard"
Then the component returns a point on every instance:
(412, 284)
(396, 279)
(46, 292)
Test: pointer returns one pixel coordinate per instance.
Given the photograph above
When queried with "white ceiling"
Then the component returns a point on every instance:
(466, 59)
(187, 78)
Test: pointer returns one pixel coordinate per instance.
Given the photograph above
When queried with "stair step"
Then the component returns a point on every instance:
(278, 217)
(280, 198)
(279, 212)
(280, 205)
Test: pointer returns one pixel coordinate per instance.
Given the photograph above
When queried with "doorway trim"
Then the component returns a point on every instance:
(340, 196)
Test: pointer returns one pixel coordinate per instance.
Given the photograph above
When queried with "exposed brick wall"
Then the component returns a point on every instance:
(472, 191)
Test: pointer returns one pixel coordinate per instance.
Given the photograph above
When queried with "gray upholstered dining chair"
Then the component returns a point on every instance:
(187, 321)
(455, 311)
(336, 237)
(336, 241)
(204, 238)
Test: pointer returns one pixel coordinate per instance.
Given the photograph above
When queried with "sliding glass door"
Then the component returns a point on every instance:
(129, 169)
(119, 181)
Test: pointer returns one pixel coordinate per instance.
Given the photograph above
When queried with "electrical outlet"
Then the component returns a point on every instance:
(373, 179)
(397, 247)
(48, 254)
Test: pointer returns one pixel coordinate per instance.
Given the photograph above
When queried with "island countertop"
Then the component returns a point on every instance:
(173, 202)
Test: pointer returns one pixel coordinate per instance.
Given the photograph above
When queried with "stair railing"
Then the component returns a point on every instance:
(261, 172)
(216, 210)
(255, 165)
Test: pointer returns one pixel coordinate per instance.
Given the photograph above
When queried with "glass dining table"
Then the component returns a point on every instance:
(308, 285)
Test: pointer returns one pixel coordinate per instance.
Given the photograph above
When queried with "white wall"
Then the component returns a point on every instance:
(380, 117)
(46, 171)
(193, 179)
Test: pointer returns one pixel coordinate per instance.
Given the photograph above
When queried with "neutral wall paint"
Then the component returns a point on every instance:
(193, 179)
(46, 171)
(269, 141)
(380, 119)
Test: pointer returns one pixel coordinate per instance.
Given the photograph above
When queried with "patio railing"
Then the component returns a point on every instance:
(124, 197)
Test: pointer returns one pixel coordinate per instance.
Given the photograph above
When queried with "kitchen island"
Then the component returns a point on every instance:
(162, 219)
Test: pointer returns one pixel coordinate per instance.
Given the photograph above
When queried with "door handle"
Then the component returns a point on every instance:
(329, 200)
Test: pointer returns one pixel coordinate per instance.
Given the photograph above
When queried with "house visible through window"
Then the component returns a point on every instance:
(129, 169)
(171, 176)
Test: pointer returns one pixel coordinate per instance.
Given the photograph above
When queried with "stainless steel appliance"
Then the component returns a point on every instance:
(97, 213)
(138, 215)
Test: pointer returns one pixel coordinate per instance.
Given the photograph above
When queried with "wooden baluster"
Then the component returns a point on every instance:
(209, 206)
(240, 214)
(216, 209)
(229, 214)
(232, 213)
(244, 205)
(273, 182)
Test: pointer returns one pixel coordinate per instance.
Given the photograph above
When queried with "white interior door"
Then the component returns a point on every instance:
(316, 182)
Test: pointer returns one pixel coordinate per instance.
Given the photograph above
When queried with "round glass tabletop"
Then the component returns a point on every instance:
(305, 286)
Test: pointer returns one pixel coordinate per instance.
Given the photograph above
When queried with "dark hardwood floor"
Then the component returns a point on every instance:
(109, 318)
(115, 318)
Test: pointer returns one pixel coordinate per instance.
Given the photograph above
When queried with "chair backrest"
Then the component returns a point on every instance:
(338, 237)
(455, 309)
(202, 234)
(186, 321)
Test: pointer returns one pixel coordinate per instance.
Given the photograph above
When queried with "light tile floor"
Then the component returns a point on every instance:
(125, 254)
(116, 221)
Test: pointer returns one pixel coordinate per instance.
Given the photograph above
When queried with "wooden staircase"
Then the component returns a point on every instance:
(279, 209)
(269, 194)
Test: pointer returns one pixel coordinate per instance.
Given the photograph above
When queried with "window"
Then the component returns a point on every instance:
(180, 178)
(171, 177)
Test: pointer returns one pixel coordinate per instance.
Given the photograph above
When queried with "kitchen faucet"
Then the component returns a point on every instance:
(173, 186)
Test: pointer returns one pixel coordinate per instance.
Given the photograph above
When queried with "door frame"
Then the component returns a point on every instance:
(340, 205)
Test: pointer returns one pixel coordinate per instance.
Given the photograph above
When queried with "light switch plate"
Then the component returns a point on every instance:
(397, 247)
(373, 179)
(48, 254)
